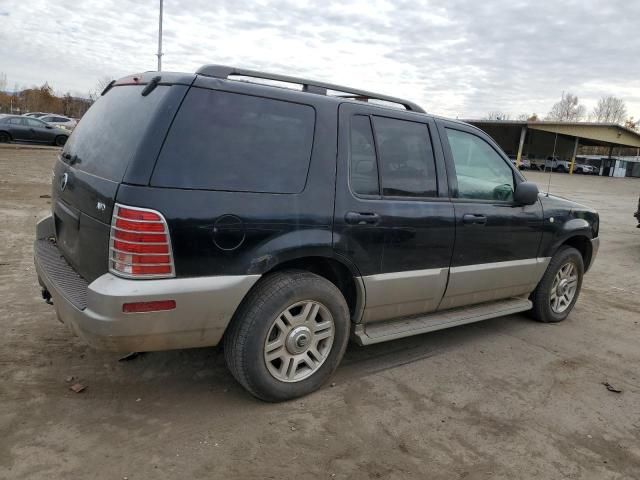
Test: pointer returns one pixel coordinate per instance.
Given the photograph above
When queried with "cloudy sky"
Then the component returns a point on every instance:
(457, 57)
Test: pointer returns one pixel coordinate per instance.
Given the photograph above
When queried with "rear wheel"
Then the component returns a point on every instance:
(288, 336)
(557, 293)
(5, 137)
(60, 140)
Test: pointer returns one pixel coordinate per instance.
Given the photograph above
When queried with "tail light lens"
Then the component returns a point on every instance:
(140, 245)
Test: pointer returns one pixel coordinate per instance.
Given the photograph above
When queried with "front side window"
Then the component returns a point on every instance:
(407, 165)
(482, 174)
(32, 122)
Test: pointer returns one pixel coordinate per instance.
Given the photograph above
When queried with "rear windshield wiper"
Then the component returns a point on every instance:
(108, 87)
(153, 83)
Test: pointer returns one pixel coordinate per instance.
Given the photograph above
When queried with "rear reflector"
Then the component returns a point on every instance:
(154, 306)
(140, 245)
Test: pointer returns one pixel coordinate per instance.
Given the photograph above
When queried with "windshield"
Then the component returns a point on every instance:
(110, 133)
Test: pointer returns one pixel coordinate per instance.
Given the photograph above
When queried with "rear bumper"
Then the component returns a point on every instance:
(204, 305)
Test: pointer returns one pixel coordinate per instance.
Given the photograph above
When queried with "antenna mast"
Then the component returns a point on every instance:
(159, 54)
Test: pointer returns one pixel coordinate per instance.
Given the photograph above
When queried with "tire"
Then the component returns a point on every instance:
(561, 169)
(273, 314)
(60, 140)
(543, 296)
(5, 137)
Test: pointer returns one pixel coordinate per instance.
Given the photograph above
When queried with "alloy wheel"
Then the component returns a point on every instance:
(563, 288)
(299, 341)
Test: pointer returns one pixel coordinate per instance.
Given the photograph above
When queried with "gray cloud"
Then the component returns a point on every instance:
(458, 58)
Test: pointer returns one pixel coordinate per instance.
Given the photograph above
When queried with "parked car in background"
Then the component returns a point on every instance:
(557, 165)
(28, 129)
(59, 121)
(585, 169)
(190, 210)
(525, 164)
(35, 114)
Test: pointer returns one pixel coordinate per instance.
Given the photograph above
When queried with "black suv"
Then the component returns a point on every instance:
(197, 209)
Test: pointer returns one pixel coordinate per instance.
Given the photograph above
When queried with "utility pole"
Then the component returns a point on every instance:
(159, 54)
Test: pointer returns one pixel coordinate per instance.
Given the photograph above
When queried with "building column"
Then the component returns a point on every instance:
(523, 134)
(611, 168)
(573, 157)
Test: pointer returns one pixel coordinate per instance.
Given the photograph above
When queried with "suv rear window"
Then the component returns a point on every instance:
(235, 142)
(109, 134)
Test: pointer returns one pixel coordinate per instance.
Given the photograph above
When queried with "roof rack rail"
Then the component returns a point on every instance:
(310, 86)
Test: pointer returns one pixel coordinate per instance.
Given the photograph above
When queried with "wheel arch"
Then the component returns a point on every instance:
(7, 132)
(581, 242)
(336, 269)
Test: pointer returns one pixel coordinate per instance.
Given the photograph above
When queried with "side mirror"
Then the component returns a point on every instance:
(526, 193)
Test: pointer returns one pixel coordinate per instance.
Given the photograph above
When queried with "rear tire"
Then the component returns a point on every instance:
(5, 137)
(60, 140)
(288, 336)
(557, 293)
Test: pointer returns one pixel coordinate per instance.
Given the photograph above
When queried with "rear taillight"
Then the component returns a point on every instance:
(140, 245)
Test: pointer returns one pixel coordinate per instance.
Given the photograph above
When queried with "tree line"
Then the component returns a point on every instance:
(609, 109)
(41, 99)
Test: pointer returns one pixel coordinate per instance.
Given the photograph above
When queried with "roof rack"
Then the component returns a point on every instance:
(310, 86)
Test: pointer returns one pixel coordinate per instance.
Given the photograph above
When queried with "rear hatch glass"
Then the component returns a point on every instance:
(91, 167)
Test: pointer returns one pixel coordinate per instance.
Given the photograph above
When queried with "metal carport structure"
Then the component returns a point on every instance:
(537, 139)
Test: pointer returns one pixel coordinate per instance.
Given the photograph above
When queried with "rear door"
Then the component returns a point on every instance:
(393, 218)
(122, 128)
(497, 240)
(18, 128)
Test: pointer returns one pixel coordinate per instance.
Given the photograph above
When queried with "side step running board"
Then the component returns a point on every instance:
(366, 334)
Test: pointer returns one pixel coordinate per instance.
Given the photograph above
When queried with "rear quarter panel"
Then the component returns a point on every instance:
(238, 233)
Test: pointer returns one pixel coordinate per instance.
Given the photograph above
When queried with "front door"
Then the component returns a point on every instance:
(393, 217)
(497, 240)
(39, 130)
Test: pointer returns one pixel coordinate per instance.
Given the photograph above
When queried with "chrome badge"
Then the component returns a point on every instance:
(63, 181)
(101, 206)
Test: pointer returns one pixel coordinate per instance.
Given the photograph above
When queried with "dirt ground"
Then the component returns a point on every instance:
(507, 398)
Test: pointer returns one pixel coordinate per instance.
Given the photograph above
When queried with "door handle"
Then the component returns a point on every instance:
(474, 219)
(361, 218)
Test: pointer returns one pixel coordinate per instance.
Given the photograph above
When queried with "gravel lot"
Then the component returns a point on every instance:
(507, 398)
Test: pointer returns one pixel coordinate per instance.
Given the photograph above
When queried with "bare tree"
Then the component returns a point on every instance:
(567, 109)
(632, 124)
(3, 81)
(497, 115)
(610, 109)
(101, 84)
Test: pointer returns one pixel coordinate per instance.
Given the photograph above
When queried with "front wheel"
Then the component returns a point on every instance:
(557, 293)
(288, 336)
(60, 140)
(5, 137)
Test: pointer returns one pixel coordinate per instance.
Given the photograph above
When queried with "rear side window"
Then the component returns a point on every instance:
(234, 142)
(110, 133)
(364, 169)
(407, 165)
